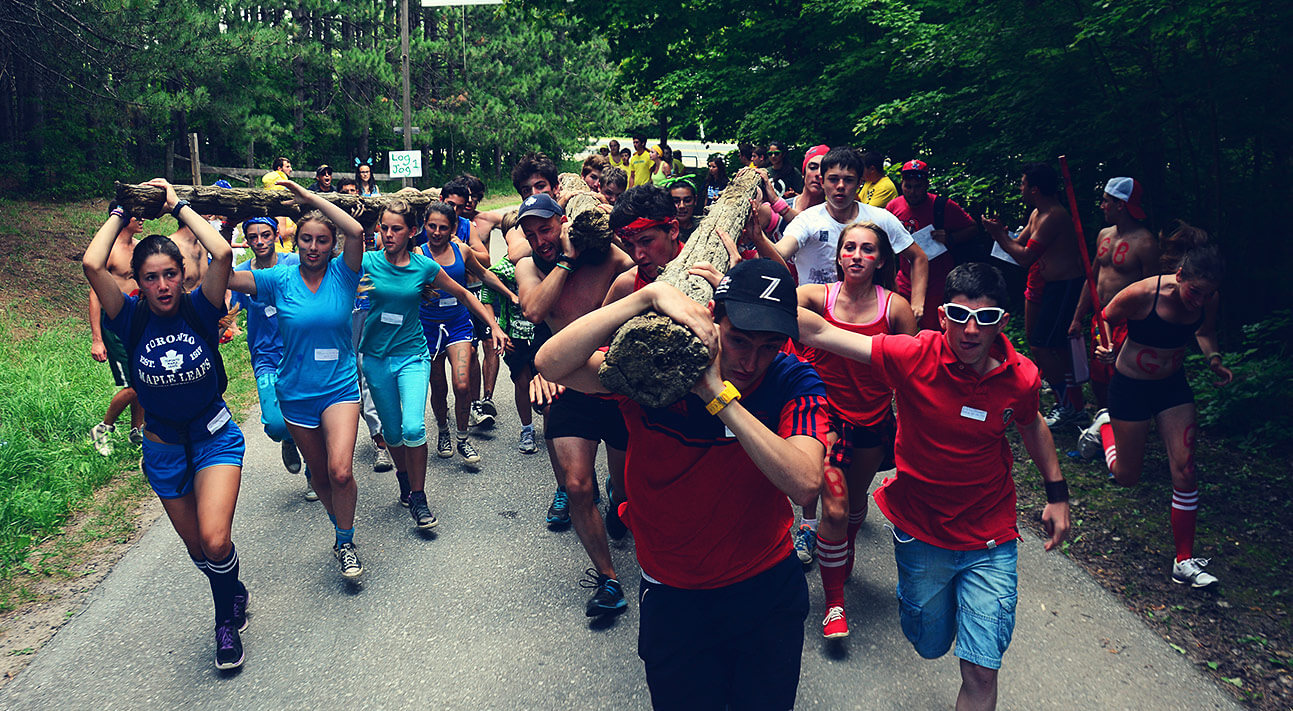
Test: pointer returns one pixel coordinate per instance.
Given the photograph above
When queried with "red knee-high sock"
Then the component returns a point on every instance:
(831, 557)
(856, 518)
(1110, 451)
(1185, 513)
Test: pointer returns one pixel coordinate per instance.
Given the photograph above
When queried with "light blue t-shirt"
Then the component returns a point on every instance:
(318, 358)
(263, 340)
(391, 327)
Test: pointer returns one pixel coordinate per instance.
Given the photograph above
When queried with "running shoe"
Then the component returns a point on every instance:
(487, 407)
(478, 417)
(228, 646)
(99, 438)
(1089, 443)
(402, 478)
(608, 595)
(1191, 571)
(137, 436)
(1061, 415)
(349, 560)
(467, 451)
(526, 443)
(444, 444)
(240, 601)
(805, 540)
(310, 493)
(615, 528)
(559, 511)
(291, 458)
(421, 512)
(383, 461)
(835, 625)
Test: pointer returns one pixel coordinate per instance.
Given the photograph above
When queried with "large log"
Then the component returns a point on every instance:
(145, 202)
(652, 359)
(590, 225)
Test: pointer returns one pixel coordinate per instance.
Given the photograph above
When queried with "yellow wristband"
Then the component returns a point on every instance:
(725, 397)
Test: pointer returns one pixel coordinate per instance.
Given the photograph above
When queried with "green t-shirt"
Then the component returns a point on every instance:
(392, 326)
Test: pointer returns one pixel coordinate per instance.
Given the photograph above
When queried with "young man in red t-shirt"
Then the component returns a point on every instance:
(952, 502)
(723, 599)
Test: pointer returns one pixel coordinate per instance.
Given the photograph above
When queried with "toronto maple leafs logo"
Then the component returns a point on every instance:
(172, 361)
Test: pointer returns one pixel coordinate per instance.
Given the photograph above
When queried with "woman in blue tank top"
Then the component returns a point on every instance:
(448, 327)
(318, 384)
(192, 448)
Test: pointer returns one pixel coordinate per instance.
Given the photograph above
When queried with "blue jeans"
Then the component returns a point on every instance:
(968, 596)
(398, 385)
(271, 415)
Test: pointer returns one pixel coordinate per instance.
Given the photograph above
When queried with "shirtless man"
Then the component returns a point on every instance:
(557, 285)
(106, 347)
(1049, 241)
(1126, 252)
(195, 256)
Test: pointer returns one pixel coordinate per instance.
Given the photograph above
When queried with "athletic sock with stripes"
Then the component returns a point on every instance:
(1185, 513)
(831, 558)
(856, 519)
(1110, 450)
(224, 583)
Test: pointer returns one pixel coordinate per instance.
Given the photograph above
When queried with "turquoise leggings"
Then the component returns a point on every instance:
(398, 385)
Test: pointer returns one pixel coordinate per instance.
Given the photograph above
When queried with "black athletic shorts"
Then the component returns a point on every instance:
(1059, 301)
(1135, 400)
(520, 357)
(480, 331)
(576, 414)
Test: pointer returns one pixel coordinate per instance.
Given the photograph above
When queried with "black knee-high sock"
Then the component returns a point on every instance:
(224, 584)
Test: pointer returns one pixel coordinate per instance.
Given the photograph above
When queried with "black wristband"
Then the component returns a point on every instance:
(1057, 492)
(175, 211)
(563, 259)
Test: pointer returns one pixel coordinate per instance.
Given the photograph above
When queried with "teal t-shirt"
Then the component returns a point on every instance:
(391, 327)
(318, 357)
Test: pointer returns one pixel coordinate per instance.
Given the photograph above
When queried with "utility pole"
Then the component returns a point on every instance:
(404, 76)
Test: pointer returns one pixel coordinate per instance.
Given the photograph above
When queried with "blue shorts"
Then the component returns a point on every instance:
(968, 596)
(308, 412)
(442, 334)
(167, 467)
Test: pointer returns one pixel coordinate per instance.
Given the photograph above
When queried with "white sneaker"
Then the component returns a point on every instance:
(1191, 571)
(383, 462)
(1089, 442)
(99, 438)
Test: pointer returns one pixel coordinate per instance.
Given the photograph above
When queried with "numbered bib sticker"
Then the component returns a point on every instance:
(218, 421)
(270, 311)
(393, 319)
(448, 301)
(322, 354)
(974, 413)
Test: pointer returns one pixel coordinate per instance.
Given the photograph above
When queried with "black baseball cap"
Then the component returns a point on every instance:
(759, 295)
(321, 170)
(539, 205)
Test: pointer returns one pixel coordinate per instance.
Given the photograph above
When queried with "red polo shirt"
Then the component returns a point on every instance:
(953, 488)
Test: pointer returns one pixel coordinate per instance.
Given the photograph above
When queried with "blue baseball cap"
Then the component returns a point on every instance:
(540, 205)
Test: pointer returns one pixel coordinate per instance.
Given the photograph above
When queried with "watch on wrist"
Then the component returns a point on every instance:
(563, 259)
(180, 205)
(723, 399)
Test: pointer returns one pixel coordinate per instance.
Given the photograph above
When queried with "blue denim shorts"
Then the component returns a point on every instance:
(968, 596)
(167, 467)
(308, 412)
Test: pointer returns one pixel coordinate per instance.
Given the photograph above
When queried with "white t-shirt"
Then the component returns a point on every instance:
(818, 234)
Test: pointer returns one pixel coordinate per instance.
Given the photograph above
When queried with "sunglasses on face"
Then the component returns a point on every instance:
(985, 316)
(774, 153)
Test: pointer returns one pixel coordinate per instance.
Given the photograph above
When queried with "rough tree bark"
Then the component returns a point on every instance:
(145, 201)
(654, 360)
(590, 225)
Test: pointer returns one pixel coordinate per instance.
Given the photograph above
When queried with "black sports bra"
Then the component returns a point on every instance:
(1155, 332)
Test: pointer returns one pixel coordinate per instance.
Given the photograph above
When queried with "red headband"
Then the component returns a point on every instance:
(640, 224)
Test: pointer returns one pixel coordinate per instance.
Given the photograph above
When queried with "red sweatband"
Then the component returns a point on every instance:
(640, 224)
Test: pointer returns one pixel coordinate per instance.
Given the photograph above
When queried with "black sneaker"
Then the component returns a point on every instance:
(608, 596)
(421, 512)
(468, 452)
(228, 646)
(240, 601)
(487, 407)
(615, 528)
(291, 458)
(478, 417)
(559, 511)
(349, 560)
(402, 478)
(444, 444)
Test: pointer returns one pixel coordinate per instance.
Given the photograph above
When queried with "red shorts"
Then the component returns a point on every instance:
(1102, 372)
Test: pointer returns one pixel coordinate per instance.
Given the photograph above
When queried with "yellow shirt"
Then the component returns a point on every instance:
(879, 193)
(640, 165)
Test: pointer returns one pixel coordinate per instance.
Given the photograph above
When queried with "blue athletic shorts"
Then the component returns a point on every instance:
(442, 334)
(167, 467)
(968, 596)
(308, 412)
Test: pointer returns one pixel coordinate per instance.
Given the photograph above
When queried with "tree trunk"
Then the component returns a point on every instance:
(652, 359)
(145, 201)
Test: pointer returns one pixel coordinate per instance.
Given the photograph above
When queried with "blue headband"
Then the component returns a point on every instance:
(273, 224)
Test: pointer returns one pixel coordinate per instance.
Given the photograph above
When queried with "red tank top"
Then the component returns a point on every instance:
(855, 395)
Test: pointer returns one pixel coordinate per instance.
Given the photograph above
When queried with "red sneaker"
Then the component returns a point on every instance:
(835, 625)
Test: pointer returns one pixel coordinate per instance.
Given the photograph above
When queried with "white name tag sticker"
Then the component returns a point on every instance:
(393, 319)
(448, 301)
(727, 432)
(218, 421)
(270, 311)
(326, 354)
(974, 414)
